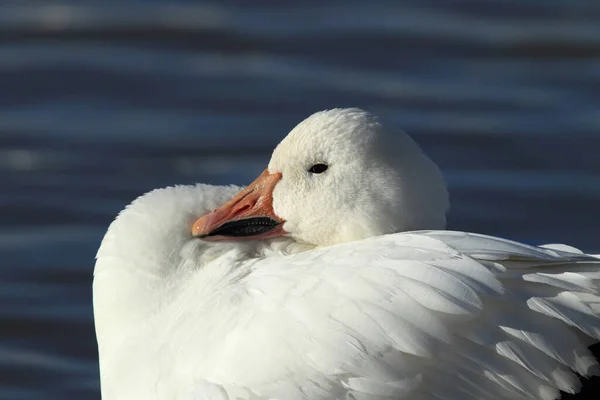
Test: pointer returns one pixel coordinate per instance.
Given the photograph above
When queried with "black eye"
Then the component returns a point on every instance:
(318, 168)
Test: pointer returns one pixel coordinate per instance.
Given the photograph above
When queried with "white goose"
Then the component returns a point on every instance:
(324, 299)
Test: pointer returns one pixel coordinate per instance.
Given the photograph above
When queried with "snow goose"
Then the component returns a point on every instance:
(330, 277)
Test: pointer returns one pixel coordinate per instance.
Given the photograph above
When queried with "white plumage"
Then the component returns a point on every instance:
(370, 314)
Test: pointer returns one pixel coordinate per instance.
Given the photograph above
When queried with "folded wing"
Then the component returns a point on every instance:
(425, 315)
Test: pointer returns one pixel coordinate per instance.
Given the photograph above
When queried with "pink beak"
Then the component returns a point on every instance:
(248, 215)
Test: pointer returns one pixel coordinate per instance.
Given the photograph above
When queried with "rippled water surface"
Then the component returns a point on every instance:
(102, 101)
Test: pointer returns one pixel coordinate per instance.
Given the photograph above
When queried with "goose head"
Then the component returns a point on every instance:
(338, 176)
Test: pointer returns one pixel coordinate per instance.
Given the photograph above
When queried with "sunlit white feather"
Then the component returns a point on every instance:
(415, 315)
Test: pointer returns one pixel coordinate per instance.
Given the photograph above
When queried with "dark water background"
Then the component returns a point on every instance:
(101, 101)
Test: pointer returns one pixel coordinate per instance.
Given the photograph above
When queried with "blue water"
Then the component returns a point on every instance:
(101, 101)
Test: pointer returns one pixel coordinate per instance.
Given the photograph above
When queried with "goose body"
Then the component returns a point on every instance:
(335, 282)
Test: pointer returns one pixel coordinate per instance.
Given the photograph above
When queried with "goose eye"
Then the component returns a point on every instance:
(318, 168)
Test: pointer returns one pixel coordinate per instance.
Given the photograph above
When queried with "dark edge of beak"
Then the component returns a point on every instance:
(246, 227)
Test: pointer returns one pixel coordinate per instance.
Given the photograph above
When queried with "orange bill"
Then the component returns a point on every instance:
(248, 215)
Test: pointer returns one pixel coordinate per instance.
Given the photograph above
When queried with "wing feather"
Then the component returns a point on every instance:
(424, 315)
